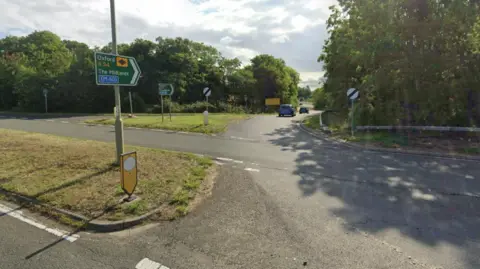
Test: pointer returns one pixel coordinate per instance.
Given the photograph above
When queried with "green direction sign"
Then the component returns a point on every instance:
(111, 69)
(165, 89)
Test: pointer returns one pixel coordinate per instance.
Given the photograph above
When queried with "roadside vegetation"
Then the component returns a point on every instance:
(41, 60)
(79, 176)
(217, 123)
(422, 75)
(339, 128)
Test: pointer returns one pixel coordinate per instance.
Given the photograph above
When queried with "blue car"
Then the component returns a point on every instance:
(286, 109)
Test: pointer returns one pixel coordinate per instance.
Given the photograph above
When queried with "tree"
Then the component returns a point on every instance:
(304, 93)
(414, 62)
(42, 60)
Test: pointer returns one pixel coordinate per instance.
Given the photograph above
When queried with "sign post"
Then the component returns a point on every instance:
(116, 70)
(206, 92)
(165, 89)
(131, 106)
(352, 94)
(45, 93)
(128, 170)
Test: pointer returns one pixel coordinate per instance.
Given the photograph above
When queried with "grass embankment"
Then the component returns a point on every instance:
(78, 175)
(426, 140)
(217, 123)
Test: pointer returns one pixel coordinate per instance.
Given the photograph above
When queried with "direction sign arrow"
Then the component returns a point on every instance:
(111, 69)
(165, 89)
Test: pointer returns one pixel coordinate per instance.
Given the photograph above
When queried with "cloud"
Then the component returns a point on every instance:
(290, 29)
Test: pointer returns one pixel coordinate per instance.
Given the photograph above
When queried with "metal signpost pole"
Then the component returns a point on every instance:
(170, 108)
(131, 106)
(161, 98)
(352, 94)
(353, 113)
(45, 94)
(118, 119)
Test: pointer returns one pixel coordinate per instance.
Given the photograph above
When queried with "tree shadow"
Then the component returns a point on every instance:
(27, 201)
(33, 199)
(431, 200)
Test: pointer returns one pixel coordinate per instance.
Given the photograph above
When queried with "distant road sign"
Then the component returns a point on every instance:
(117, 70)
(165, 89)
(272, 101)
(207, 91)
(352, 93)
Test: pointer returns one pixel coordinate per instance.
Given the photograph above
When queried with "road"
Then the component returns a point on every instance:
(283, 199)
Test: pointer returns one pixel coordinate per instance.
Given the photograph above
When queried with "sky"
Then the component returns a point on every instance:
(293, 30)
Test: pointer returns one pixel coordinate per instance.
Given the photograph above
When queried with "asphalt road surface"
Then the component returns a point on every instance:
(283, 199)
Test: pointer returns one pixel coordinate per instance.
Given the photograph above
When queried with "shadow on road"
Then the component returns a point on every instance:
(430, 200)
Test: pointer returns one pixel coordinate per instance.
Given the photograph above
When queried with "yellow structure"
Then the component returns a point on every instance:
(272, 101)
(128, 172)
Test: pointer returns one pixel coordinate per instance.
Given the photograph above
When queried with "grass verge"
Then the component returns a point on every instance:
(78, 175)
(180, 122)
(426, 140)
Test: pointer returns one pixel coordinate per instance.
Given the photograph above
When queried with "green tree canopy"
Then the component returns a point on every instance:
(42, 60)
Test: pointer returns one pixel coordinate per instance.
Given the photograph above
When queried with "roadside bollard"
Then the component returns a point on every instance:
(205, 117)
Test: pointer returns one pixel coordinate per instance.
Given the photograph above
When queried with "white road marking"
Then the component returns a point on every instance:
(228, 160)
(219, 163)
(50, 120)
(64, 121)
(182, 132)
(146, 263)
(18, 215)
(252, 169)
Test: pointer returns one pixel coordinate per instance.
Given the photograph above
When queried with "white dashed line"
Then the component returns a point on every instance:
(50, 120)
(241, 138)
(252, 169)
(18, 215)
(63, 121)
(149, 264)
(219, 163)
(228, 160)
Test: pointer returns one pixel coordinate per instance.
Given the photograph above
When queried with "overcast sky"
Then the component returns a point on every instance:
(290, 29)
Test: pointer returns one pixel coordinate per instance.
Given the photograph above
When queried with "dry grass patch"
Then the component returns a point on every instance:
(78, 175)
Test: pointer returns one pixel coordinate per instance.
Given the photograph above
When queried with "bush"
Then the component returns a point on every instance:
(229, 108)
(198, 107)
